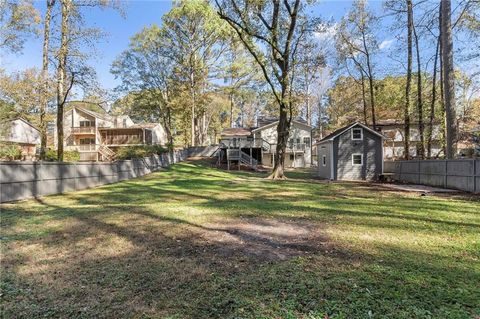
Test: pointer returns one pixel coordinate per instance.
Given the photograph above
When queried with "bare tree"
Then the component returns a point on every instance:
(271, 32)
(421, 145)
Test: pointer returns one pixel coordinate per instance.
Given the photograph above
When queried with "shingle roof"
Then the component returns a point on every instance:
(344, 128)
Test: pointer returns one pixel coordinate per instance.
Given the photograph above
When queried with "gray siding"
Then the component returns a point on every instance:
(371, 149)
(324, 149)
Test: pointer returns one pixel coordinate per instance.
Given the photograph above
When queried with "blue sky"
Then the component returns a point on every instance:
(138, 15)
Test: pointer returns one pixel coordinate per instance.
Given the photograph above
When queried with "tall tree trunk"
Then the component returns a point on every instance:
(364, 98)
(370, 81)
(442, 91)
(448, 79)
(432, 103)
(308, 106)
(44, 94)
(421, 149)
(283, 129)
(192, 93)
(406, 112)
(61, 75)
(232, 105)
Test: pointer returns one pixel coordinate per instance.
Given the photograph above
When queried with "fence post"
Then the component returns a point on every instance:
(446, 174)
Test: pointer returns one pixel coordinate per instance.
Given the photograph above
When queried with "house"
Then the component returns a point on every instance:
(97, 136)
(22, 133)
(353, 152)
(257, 145)
(394, 132)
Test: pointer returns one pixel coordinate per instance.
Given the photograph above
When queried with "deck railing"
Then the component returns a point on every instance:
(83, 130)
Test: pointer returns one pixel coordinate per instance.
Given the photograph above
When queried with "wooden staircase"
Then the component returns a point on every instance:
(106, 153)
(241, 157)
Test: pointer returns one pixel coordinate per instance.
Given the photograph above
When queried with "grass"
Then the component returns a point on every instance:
(196, 242)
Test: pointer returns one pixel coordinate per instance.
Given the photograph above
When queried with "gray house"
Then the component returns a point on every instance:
(353, 152)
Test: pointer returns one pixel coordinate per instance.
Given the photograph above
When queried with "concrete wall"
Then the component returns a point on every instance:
(21, 180)
(463, 174)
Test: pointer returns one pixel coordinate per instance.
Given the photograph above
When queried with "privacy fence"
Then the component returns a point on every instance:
(20, 180)
(462, 174)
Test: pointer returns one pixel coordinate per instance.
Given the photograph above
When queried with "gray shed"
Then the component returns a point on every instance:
(353, 152)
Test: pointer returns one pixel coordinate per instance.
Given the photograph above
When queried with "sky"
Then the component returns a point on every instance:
(140, 14)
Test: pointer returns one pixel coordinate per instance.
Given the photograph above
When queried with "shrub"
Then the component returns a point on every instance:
(68, 156)
(10, 151)
(129, 152)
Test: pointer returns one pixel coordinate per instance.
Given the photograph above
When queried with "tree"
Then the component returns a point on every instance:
(271, 32)
(406, 112)
(356, 42)
(448, 78)
(196, 42)
(18, 20)
(44, 93)
(309, 69)
(146, 73)
(421, 145)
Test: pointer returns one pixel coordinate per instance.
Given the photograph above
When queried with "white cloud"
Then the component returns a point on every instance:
(327, 32)
(386, 44)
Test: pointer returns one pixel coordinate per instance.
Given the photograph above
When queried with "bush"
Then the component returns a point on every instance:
(129, 152)
(68, 156)
(10, 152)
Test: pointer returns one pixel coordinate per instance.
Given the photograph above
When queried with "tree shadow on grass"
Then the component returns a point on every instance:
(118, 255)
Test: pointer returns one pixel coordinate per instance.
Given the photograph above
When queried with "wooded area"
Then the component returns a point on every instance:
(211, 65)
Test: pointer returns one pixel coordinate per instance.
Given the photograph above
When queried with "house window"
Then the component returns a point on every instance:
(87, 123)
(324, 160)
(291, 157)
(87, 141)
(357, 133)
(306, 140)
(124, 122)
(357, 159)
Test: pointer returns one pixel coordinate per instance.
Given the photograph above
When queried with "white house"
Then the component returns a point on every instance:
(25, 135)
(254, 146)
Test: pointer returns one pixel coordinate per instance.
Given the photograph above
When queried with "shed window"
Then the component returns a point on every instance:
(357, 133)
(357, 159)
(324, 160)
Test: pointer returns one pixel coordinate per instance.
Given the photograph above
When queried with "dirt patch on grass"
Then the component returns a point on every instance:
(266, 239)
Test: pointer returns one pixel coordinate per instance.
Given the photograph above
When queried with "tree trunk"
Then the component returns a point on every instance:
(44, 94)
(448, 79)
(370, 81)
(192, 92)
(421, 148)
(406, 113)
(432, 105)
(364, 98)
(232, 104)
(61, 75)
(283, 130)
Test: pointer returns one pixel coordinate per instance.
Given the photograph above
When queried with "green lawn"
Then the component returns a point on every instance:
(196, 242)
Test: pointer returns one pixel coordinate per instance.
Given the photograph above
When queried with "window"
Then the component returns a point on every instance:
(87, 141)
(324, 160)
(357, 133)
(124, 122)
(86, 123)
(357, 159)
(291, 157)
(306, 140)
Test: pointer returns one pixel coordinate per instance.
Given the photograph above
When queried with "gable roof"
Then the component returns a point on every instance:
(26, 122)
(276, 123)
(334, 134)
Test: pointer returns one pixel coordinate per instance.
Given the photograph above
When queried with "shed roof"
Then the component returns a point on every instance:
(336, 133)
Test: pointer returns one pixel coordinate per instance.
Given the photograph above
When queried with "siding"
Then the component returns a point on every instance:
(371, 149)
(324, 171)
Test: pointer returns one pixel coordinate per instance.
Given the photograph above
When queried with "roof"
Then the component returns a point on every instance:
(236, 131)
(26, 122)
(336, 133)
(276, 122)
(121, 128)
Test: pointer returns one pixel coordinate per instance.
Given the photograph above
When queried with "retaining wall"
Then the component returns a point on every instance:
(462, 174)
(21, 180)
